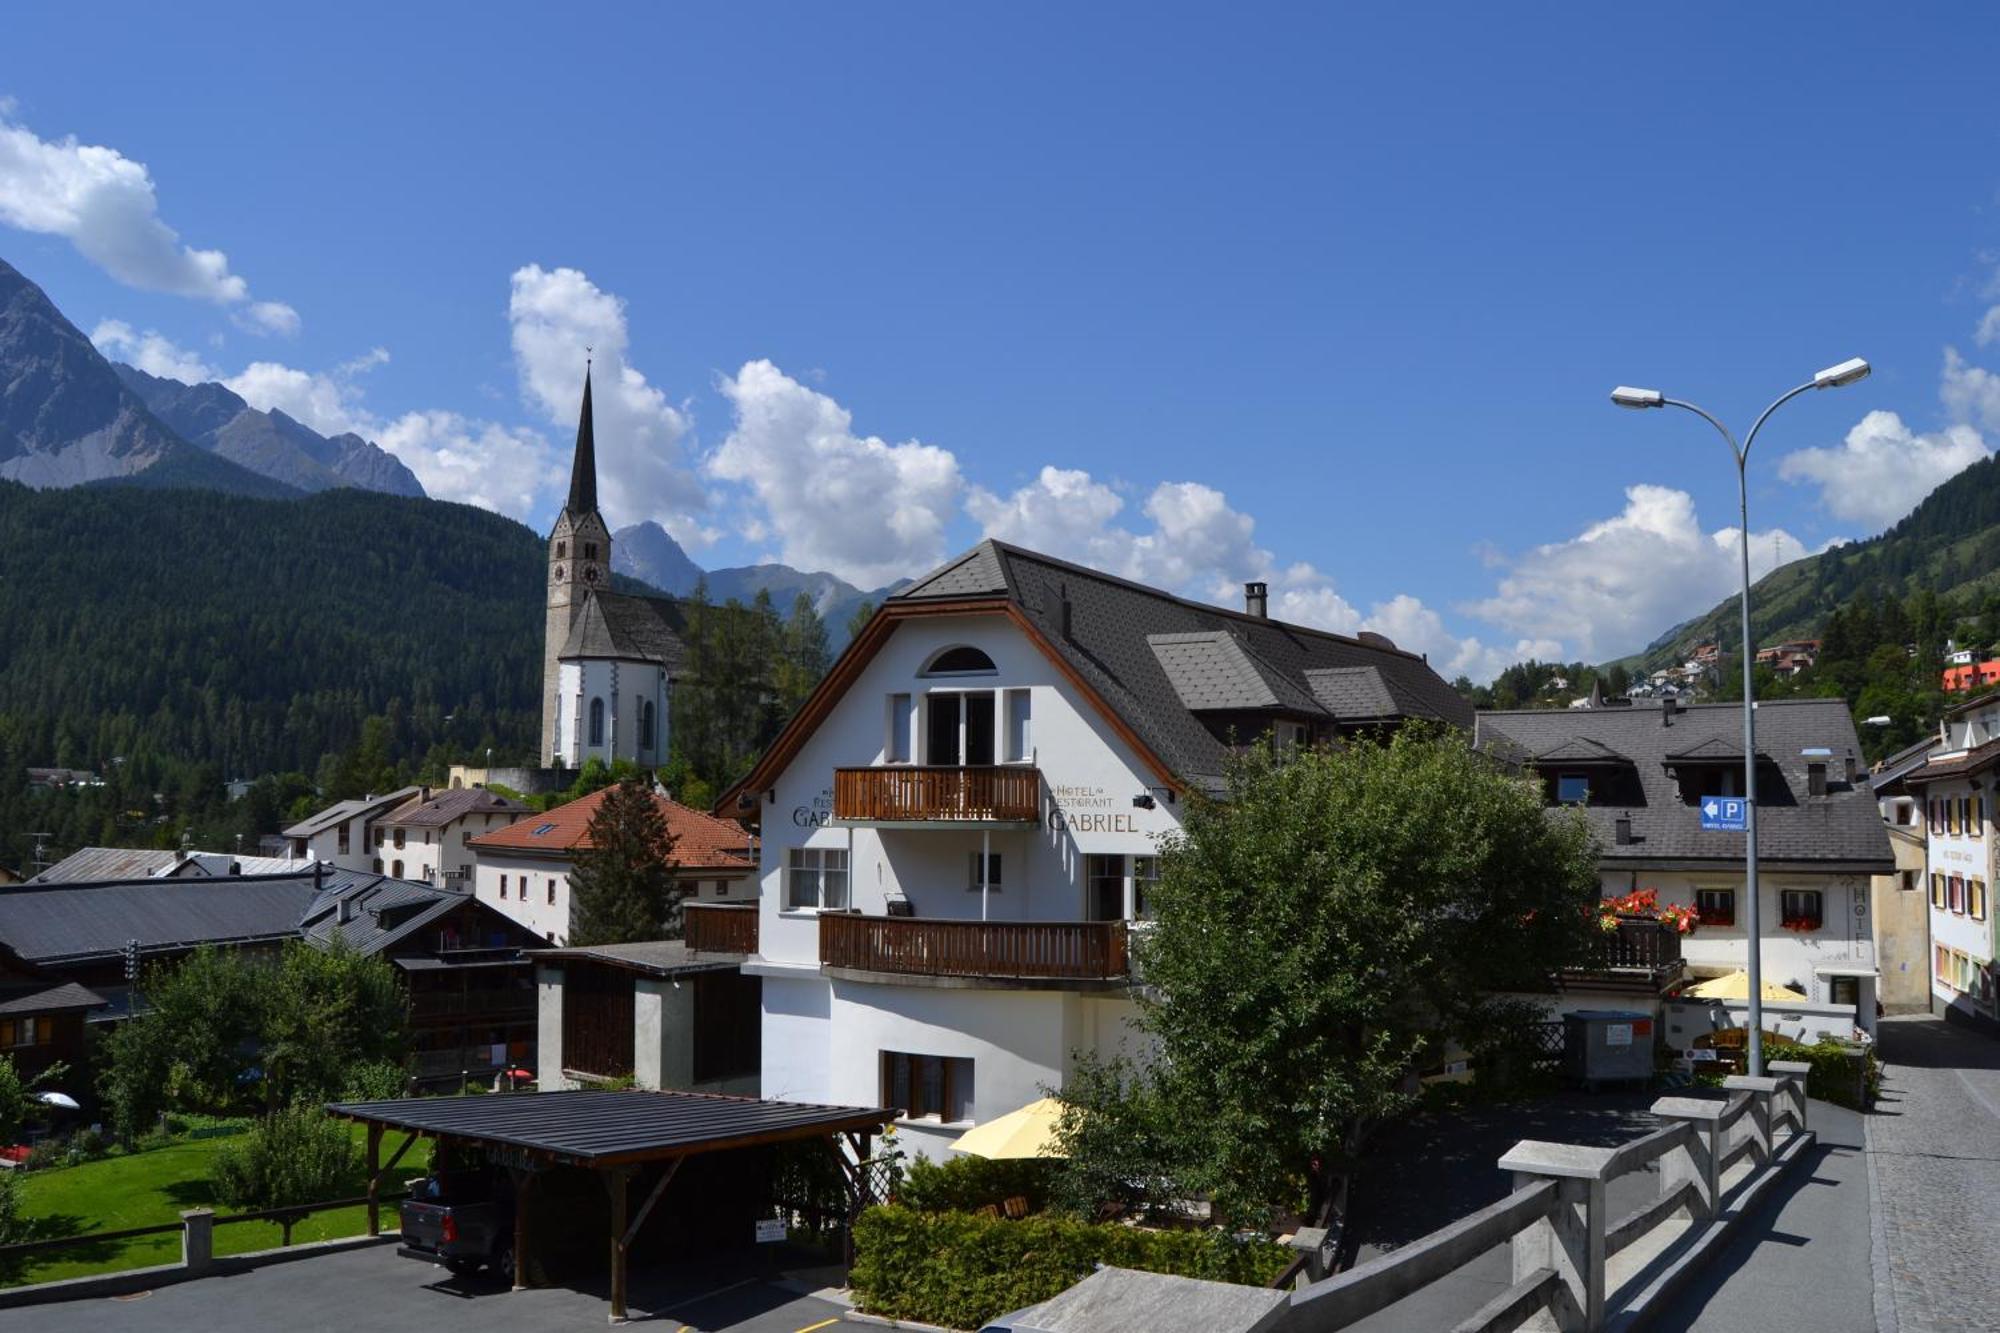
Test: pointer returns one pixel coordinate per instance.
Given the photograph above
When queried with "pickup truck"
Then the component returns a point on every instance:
(461, 1219)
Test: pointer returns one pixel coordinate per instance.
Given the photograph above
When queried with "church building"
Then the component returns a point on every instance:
(609, 659)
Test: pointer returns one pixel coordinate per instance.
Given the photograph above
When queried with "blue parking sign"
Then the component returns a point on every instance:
(1725, 814)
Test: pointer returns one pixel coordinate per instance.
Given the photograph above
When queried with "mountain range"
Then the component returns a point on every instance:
(648, 552)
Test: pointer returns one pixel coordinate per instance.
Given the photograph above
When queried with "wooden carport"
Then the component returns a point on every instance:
(611, 1134)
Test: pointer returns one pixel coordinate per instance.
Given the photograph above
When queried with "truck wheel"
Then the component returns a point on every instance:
(503, 1265)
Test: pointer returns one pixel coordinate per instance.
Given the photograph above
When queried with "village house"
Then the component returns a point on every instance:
(960, 826)
(660, 1013)
(1960, 854)
(1640, 775)
(426, 837)
(42, 1019)
(342, 835)
(523, 870)
(100, 863)
(1902, 903)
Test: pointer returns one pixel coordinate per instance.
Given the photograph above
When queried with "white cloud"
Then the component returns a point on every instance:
(104, 204)
(329, 403)
(1971, 393)
(1883, 468)
(503, 468)
(1419, 629)
(1989, 326)
(643, 468)
(1623, 580)
(852, 505)
(151, 352)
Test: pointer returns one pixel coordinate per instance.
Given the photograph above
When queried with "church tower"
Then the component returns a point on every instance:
(579, 563)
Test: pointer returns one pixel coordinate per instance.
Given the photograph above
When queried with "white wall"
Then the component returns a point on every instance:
(623, 686)
(1089, 777)
(536, 912)
(1687, 1019)
(1971, 858)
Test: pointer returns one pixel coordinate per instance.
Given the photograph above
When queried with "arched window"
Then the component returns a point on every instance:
(960, 661)
(597, 721)
(646, 725)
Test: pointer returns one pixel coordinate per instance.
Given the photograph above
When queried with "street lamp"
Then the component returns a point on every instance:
(1833, 377)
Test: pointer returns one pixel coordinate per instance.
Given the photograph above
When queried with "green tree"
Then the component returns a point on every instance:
(859, 620)
(298, 1154)
(1617, 681)
(806, 655)
(622, 886)
(330, 1012)
(1318, 935)
(193, 1045)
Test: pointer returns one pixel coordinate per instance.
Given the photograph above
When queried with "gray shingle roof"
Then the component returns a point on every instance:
(1842, 828)
(381, 910)
(96, 863)
(1353, 692)
(342, 810)
(445, 806)
(1113, 623)
(1212, 671)
(632, 629)
(48, 923)
(42, 998)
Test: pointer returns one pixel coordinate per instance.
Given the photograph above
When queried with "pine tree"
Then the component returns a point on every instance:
(622, 886)
(806, 655)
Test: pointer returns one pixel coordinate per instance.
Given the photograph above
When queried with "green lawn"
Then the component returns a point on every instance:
(154, 1187)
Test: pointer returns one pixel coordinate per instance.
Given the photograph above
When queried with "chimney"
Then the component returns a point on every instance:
(1853, 770)
(1257, 601)
(345, 913)
(1623, 826)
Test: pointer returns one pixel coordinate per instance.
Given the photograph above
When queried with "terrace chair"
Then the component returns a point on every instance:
(989, 1211)
(1016, 1207)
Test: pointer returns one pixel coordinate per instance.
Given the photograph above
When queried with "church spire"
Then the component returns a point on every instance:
(583, 472)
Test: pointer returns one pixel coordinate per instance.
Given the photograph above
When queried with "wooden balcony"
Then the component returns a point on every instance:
(901, 794)
(720, 927)
(1053, 951)
(1637, 945)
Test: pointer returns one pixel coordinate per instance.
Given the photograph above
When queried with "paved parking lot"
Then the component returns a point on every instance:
(373, 1289)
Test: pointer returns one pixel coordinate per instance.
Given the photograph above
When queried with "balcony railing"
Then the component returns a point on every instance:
(720, 927)
(1027, 950)
(1650, 945)
(902, 793)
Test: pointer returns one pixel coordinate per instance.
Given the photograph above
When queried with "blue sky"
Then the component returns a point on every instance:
(1201, 295)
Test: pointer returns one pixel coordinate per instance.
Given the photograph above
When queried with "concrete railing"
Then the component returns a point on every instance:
(1572, 1261)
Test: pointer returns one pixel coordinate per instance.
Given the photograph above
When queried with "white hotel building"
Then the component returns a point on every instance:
(1961, 854)
(959, 826)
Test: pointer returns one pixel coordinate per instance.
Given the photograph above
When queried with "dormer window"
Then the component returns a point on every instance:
(960, 661)
(1573, 789)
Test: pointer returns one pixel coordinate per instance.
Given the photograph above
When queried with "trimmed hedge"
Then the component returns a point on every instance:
(967, 1184)
(962, 1269)
(1832, 1076)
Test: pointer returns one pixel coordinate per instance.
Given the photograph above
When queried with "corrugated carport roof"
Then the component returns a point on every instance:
(613, 1128)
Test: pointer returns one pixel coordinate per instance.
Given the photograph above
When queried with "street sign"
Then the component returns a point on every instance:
(770, 1229)
(1725, 814)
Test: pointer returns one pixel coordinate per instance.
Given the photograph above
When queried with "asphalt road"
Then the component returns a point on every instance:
(360, 1291)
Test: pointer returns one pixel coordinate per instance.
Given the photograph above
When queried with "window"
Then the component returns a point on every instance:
(562, 550)
(1977, 825)
(597, 721)
(646, 725)
(959, 729)
(399, 839)
(1954, 893)
(340, 839)
(378, 865)
(991, 879)
(552, 890)
(1937, 889)
(896, 748)
(1104, 888)
(816, 877)
(503, 886)
(1145, 874)
(1800, 909)
(1017, 742)
(1951, 815)
(927, 1087)
(396, 869)
(1909, 881)
(1975, 899)
(1573, 789)
(960, 661)
(590, 550)
(1715, 907)
(26, 1031)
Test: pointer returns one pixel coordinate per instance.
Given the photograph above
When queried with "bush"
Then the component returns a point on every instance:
(11, 1228)
(1832, 1076)
(376, 1081)
(298, 1155)
(961, 1269)
(967, 1184)
(47, 1153)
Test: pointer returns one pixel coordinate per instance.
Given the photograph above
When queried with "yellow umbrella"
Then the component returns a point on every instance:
(1027, 1132)
(1736, 986)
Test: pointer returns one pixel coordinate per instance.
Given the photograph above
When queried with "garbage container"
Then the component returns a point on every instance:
(1607, 1046)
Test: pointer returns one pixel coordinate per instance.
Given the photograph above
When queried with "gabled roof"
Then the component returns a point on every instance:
(94, 863)
(1101, 631)
(1581, 750)
(627, 629)
(340, 811)
(1901, 764)
(1842, 829)
(380, 911)
(701, 841)
(44, 998)
(1711, 749)
(453, 803)
(1956, 764)
(70, 922)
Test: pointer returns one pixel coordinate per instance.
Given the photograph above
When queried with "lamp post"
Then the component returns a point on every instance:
(1833, 377)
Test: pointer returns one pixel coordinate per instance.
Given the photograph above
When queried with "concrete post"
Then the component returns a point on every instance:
(1794, 1072)
(1762, 1091)
(1701, 1159)
(663, 1033)
(549, 1028)
(1571, 1239)
(198, 1239)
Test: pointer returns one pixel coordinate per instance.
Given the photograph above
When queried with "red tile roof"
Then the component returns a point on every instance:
(701, 841)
